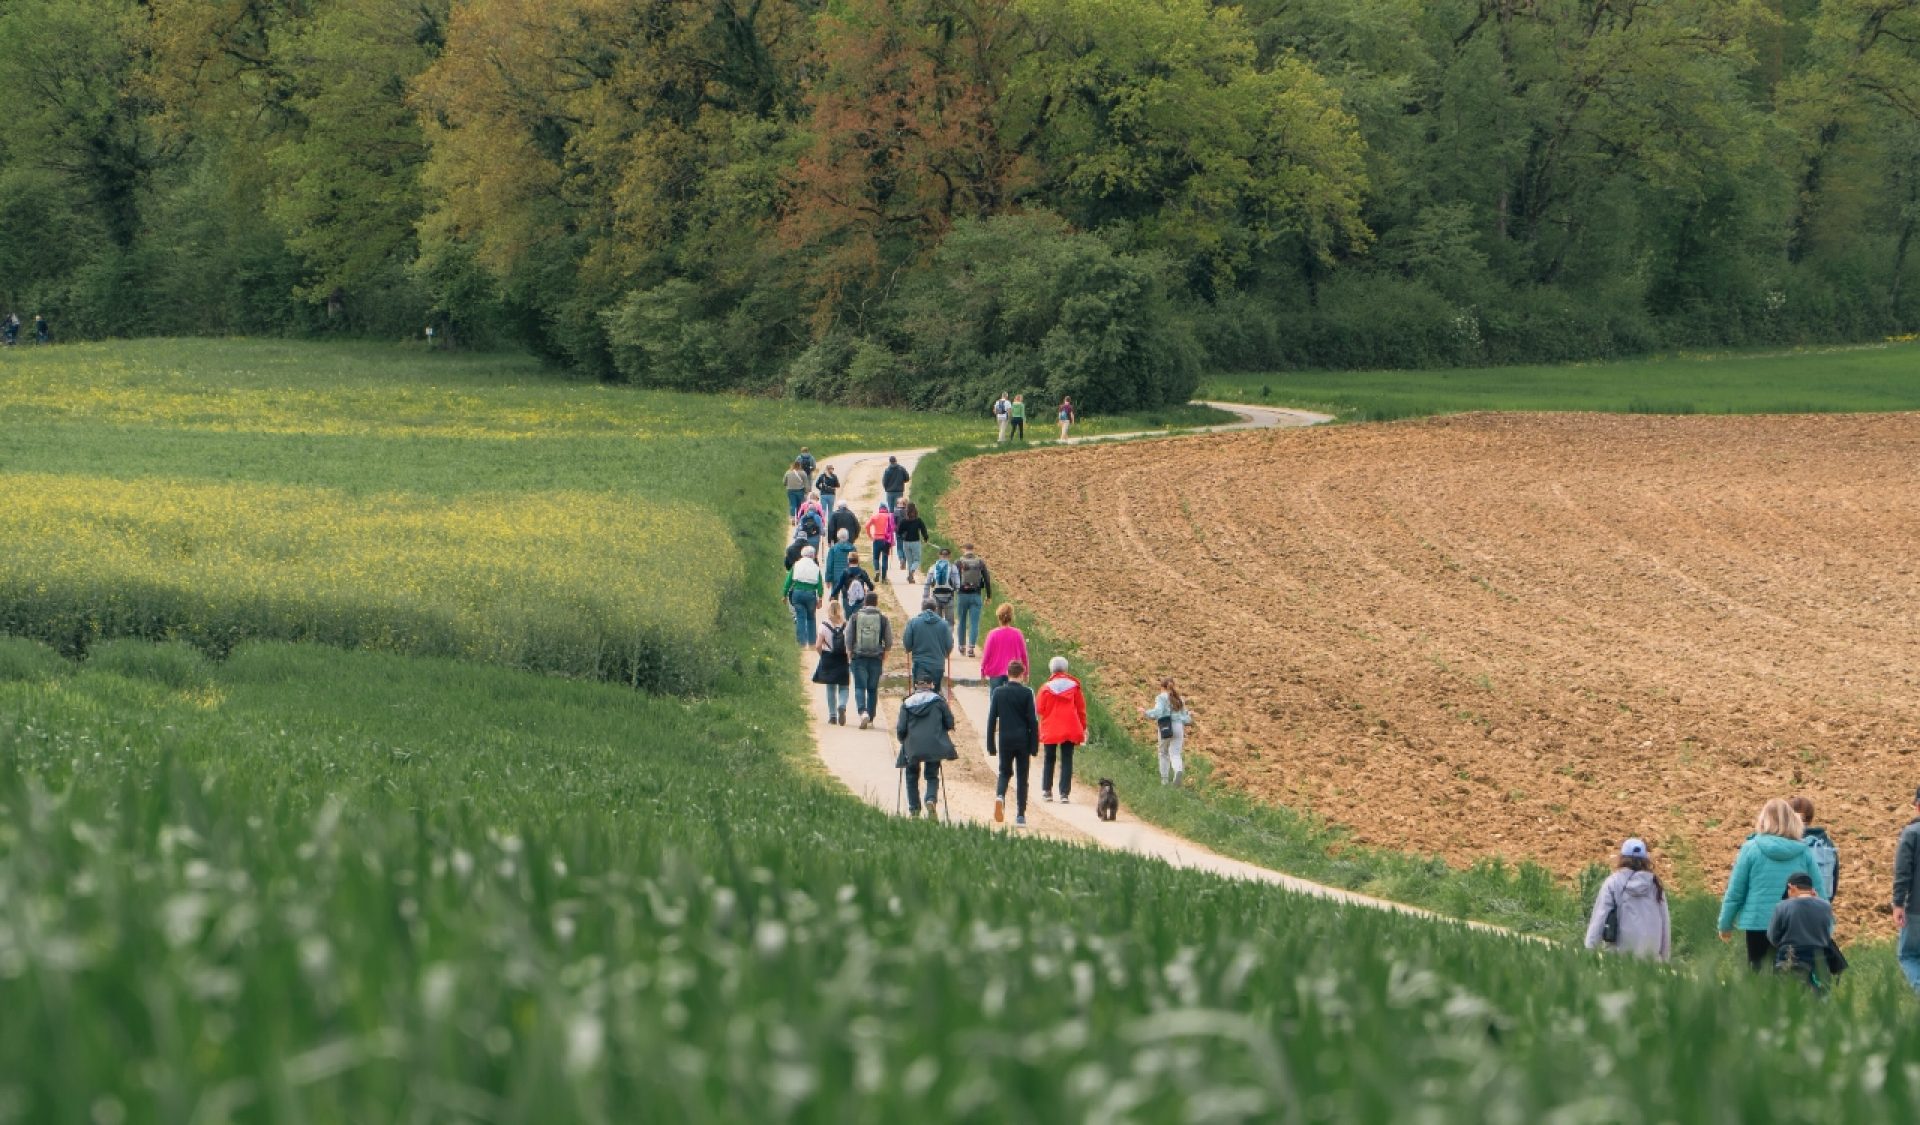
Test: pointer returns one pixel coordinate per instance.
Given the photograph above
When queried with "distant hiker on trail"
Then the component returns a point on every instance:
(928, 640)
(880, 532)
(1013, 734)
(1906, 896)
(869, 639)
(802, 592)
(1169, 713)
(1005, 645)
(976, 585)
(894, 483)
(13, 329)
(828, 485)
(1630, 913)
(845, 519)
(811, 506)
(1019, 416)
(42, 331)
(853, 585)
(807, 526)
(1825, 856)
(943, 585)
(834, 669)
(925, 730)
(1003, 414)
(1067, 416)
(910, 535)
(1802, 935)
(1063, 726)
(796, 490)
(805, 461)
(1759, 878)
(837, 559)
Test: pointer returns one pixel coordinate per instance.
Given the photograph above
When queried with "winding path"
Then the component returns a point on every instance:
(862, 760)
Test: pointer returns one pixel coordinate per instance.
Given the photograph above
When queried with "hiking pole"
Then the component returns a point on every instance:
(900, 793)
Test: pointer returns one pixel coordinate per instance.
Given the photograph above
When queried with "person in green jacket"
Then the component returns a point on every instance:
(1770, 856)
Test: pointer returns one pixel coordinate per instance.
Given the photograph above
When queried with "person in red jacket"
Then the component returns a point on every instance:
(1063, 725)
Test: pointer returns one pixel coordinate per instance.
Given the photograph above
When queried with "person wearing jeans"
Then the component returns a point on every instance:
(796, 490)
(894, 483)
(803, 592)
(869, 636)
(909, 533)
(1062, 708)
(925, 730)
(1906, 896)
(975, 585)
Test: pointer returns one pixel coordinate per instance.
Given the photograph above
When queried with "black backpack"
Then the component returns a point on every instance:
(810, 524)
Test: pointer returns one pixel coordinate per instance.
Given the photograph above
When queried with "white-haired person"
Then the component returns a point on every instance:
(1063, 725)
(803, 591)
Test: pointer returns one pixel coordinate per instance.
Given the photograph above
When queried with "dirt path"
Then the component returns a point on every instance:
(863, 759)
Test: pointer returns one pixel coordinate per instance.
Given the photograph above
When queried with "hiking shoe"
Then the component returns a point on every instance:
(841, 718)
(866, 721)
(832, 718)
(1020, 821)
(1045, 796)
(913, 814)
(1063, 798)
(999, 810)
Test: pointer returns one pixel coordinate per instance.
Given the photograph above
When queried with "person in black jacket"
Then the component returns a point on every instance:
(925, 730)
(827, 484)
(1906, 896)
(1013, 733)
(843, 519)
(894, 483)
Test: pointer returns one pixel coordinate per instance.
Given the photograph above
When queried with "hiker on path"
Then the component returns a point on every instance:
(1633, 897)
(805, 461)
(1005, 645)
(880, 530)
(42, 331)
(1063, 725)
(1906, 896)
(827, 484)
(845, 519)
(854, 584)
(893, 482)
(1003, 414)
(837, 556)
(834, 669)
(1169, 712)
(976, 585)
(1013, 735)
(910, 536)
(1825, 856)
(13, 329)
(1019, 413)
(1801, 931)
(943, 585)
(796, 490)
(802, 592)
(799, 544)
(925, 730)
(869, 639)
(811, 506)
(1759, 878)
(928, 640)
(1067, 416)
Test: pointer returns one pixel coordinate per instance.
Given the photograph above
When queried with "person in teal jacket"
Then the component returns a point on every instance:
(1770, 856)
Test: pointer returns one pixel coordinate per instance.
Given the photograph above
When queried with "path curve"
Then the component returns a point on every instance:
(862, 760)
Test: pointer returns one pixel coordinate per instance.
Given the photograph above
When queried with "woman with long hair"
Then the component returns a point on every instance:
(910, 534)
(1630, 913)
(1005, 645)
(1169, 712)
(1772, 854)
(834, 669)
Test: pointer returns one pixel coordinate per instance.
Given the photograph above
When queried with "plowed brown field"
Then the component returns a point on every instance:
(1518, 635)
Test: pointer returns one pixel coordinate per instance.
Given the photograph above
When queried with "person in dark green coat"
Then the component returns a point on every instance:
(1770, 856)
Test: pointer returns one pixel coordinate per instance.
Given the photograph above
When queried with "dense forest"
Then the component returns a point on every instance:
(929, 201)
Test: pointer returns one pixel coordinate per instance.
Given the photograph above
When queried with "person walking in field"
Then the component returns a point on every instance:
(869, 639)
(975, 587)
(880, 533)
(910, 537)
(928, 640)
(1066, 415)
(1801, 931)
(827, 484)
(943, 585)
(1005, 646)
(1062, 708)
(893, 482)
(1169, 713)
(1825, 856)
(1906, 896)
(1013, 735)
(1773, 852)
(1003, 414)
(1633, 906)
(925, 731)
(802, 592)
(835, 668)
(844, 518)
(854, 584)
(796, 491)
(1017, 413)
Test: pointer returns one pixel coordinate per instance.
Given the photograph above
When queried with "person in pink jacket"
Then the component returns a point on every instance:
(880, 531)
(1005, 644)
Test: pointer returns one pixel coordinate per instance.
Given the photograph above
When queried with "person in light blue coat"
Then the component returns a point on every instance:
(1769, 857)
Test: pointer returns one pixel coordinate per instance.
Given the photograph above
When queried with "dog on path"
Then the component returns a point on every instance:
(1108, 806)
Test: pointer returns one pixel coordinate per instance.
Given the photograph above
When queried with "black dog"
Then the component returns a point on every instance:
(1108, 806)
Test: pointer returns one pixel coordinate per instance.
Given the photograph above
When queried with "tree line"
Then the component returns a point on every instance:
(931, 201)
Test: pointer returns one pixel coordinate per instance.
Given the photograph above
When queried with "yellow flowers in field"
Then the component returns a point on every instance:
(562, 582)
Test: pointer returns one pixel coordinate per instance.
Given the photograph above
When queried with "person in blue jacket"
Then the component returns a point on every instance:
(1772, 855)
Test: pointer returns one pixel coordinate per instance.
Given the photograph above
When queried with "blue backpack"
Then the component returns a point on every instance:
(1825, 857)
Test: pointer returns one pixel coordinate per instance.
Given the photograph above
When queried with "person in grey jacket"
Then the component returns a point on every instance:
(1906, 896)
(925, 730)
(928, 640)
(1633, 894)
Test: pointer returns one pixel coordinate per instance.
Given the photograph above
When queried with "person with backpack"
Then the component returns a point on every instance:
(805, 461)
(1906, 896)
(975, 586)
(799, 544)
(925, 730)
(845, 519)
(1759, 878)
(796, 491)
(811, 506)
(1825, 856)
(1067, 416)
(1005, 646)
(909, 536)
(1169, 713)
(1630, 913)
(1018, 413)
(928, 640)
(880, 533)
(1003, 414)
(1802, 935)
(893, 482)
(837, 556)
(834, 669)
(869, 639)
(827, 484)
(1062, 708)
(13, 329)
(1013, 736)
(802, 592)
(943, 583)
(853, 585)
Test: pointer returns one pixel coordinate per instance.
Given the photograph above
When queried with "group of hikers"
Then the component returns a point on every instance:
(10, 330)
(1011, 414)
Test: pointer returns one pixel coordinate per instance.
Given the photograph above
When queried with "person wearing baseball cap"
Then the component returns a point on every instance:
(1630, 913)
(1906, 895)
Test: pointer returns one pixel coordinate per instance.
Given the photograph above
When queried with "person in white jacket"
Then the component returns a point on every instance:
(1634, 898)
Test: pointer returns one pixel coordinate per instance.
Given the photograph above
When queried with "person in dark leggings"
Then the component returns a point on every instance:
(1062, 709)
(1769, 857)
(1013, 735)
